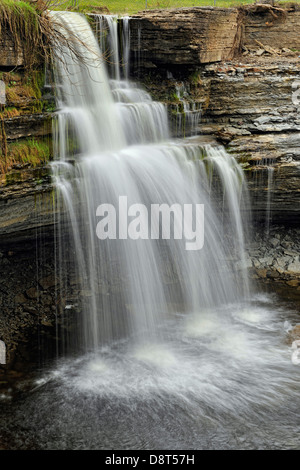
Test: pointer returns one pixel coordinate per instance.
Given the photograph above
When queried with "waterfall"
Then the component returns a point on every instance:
(269, 197)
(187, 114)
(172, 353)
(112, 145)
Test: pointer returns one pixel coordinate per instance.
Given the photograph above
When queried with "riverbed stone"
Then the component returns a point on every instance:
(294, 334)
(262, 273)
(268, 261)
(49, 281)
(32, 293)
(274, 242)
(20, 299)
(293, 283)
(295, 266)
(282, 262)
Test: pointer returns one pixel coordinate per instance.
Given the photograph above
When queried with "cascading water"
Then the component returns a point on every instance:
(269, 196)
(187, 114)
(176, 354)
(107, 31)
(164, 172)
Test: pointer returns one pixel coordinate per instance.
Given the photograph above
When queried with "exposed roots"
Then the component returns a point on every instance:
(35, 33)
(276, 12)
(21, 22)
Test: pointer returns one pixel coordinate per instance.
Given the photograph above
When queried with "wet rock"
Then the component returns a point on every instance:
(274, 242)
(282, 262)
(273, 274)
(183, 36)
(295, 266)
(30, 309)
(45, 321)
(49, 281)
(268, 261)
(11, 55)
(262, 273)
(276, 262)
(30, 125)
(32, 293)
(20, 299)
(260, 52)
(294, 334)
(293, 283)
(46, 300)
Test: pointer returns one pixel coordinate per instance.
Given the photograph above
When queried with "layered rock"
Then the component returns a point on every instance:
(34, 300)
(274, 254)
(253, 111)
(272, 26)
(183, 36)
(248, 104)
(251, 106)
(199, 35)
(28, 125)
(26, 203)
(10, 54)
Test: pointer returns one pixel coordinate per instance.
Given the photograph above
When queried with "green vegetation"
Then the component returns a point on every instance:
(134, 6)
(23, 93)
(30, 151)
(22, 20)
(33, 33)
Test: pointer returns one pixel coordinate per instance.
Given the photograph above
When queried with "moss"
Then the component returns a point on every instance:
(195, 78)
(21, 20)
(28, 152)
(35, 81)
(49, 106)
(9, 112)
(23, 93)
(3, 142)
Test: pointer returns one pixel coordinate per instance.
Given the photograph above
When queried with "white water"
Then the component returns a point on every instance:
(187, 113)
(269, 198)
(154, 275)
(176, 356)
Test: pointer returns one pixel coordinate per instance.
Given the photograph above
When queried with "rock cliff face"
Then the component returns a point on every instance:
(274, 255)
(26, 203)
(183, 36)
(251, 104)
(199, 35)
(253, 110)
(10, 55)
(271, 26)
(25, 149)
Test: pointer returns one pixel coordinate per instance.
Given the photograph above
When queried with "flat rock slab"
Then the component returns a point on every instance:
(184, 36)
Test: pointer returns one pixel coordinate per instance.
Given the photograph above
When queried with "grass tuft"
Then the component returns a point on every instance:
(26, 152)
